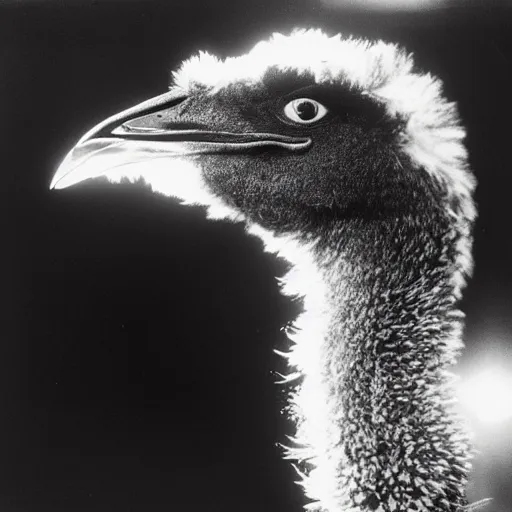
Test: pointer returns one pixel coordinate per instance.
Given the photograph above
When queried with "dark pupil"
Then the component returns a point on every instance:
(306, 110)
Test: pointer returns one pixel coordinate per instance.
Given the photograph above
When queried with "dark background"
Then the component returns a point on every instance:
(136, 363)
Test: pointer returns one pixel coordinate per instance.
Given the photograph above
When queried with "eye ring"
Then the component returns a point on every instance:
(304, 110)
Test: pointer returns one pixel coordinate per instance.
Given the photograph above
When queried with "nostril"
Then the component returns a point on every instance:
(146, 126)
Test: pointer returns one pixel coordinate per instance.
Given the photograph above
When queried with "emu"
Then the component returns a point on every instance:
(349, 163)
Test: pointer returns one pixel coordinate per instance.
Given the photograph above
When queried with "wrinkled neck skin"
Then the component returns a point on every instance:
(375, 425)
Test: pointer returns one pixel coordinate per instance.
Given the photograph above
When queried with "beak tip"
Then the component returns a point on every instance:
(60, 184)
(56, 182)
(60, 180)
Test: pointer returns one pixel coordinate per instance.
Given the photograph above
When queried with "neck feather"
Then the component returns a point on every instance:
(372, 394)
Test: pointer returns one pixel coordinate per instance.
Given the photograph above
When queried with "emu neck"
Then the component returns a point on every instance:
(375, 398)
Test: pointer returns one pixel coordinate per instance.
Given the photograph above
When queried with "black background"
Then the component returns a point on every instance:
(136, 337)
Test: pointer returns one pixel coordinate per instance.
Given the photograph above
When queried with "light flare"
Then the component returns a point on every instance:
(488, 395)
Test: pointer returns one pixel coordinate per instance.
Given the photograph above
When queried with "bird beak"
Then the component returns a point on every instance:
(145, 132)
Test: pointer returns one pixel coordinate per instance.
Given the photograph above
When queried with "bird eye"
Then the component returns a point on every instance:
(304, 110)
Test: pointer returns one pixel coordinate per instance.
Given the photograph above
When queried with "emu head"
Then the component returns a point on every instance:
(302, 130)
